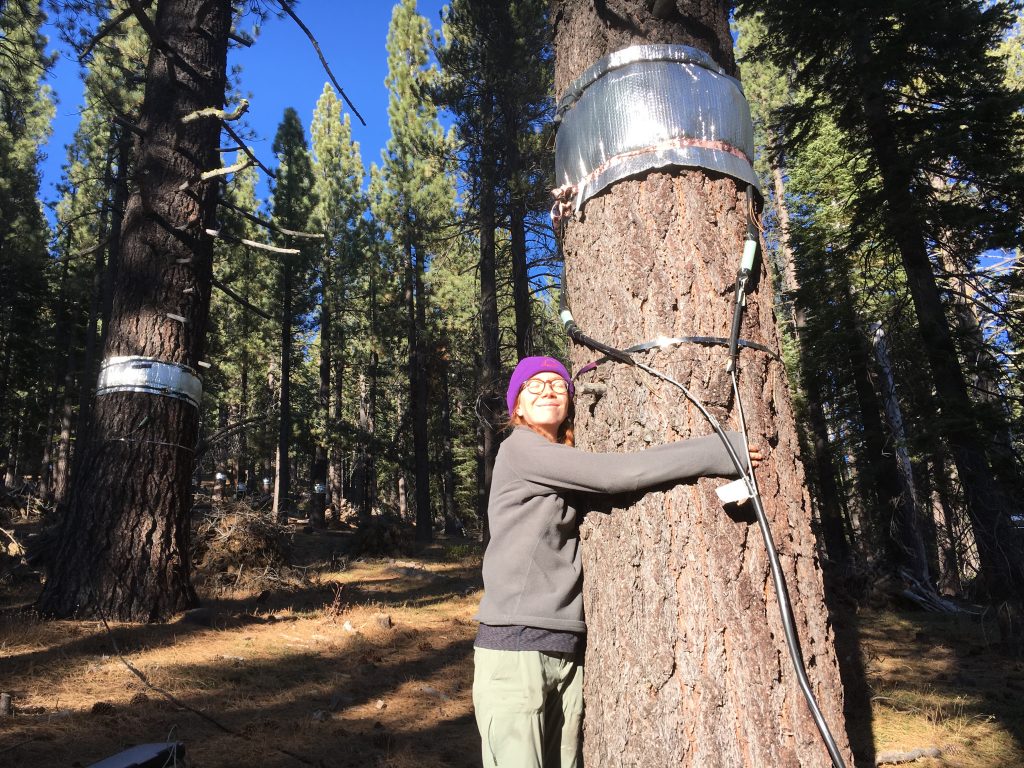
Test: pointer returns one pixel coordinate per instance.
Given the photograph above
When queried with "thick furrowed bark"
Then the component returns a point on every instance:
(122, 550)
(686, 663)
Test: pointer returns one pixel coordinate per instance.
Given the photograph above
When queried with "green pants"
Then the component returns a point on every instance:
(529, 708)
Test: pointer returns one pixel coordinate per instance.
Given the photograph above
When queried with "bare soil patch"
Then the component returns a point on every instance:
(362, 663)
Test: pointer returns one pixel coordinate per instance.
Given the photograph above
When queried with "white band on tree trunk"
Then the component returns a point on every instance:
(652, 106)
(154, 377)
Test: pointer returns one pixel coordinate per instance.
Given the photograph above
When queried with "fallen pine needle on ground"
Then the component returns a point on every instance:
(332, 662)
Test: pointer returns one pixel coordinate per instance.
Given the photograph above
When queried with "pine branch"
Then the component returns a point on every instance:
(106, 29)
(239, 299)
(268, 225)
(286, 6)
(137, 8)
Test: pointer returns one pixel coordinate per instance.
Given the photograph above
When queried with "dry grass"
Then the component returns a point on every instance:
(943, 682)
(309, 673)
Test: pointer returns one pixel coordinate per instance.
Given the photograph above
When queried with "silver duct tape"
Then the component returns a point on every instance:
(647, 107)
(151, 376)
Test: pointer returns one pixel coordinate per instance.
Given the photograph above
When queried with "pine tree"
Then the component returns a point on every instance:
(292, 205)
(122, 550)
(338, 174)
(917, 93)
(413, 197)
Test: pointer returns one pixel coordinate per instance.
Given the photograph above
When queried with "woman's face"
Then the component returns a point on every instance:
(546, 410)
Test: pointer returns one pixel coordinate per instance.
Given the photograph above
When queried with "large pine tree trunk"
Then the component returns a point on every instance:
(685, 663)
(123, 548)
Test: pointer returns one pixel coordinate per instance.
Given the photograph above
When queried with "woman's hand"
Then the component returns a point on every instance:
(756, 457)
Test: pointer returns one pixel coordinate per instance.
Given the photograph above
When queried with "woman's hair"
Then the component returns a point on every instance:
(565, 429)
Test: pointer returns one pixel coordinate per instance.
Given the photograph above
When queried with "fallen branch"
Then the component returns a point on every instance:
(896, 758)
(286, 5)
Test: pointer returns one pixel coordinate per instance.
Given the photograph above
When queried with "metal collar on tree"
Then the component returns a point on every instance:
(647, 107)
(151, 376)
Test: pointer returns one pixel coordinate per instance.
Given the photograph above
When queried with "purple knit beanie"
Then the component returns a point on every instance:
(528, 368)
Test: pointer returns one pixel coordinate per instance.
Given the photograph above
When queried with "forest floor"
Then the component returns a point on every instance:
(368, 662)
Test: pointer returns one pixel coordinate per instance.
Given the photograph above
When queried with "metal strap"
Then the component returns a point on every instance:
(647, 107)
(148, 375)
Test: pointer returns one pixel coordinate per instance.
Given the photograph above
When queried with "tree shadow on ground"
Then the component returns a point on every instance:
(359, 699)
(856, 689)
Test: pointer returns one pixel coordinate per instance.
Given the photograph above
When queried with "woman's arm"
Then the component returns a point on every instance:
(562, 468)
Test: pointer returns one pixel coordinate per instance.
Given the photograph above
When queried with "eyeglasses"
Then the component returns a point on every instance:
(537, 386)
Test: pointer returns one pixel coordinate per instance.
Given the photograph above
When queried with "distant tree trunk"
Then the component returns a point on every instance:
(490, 369)
(452, 524)
(335, 452)
(831, 506)
(947, 542)
(685, 664)
(242, 462)
(416, 305)
(283, 476)
(123, 549)
(318, 499)
(907, 523)
(517, 242)
(62, 460)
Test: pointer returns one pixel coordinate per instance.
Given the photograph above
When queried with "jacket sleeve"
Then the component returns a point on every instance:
(563, 468)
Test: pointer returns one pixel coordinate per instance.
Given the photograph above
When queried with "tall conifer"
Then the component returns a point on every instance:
(413, 197)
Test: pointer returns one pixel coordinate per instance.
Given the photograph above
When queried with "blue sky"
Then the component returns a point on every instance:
(281, 70)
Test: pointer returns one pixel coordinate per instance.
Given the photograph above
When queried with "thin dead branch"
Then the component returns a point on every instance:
(241, 145)
(272, 227)
(251, 243)
(125, 123)
(239, 300)
(286, 6)
(113, 23)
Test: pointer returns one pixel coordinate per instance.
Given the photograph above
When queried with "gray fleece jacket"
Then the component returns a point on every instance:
(532, 570)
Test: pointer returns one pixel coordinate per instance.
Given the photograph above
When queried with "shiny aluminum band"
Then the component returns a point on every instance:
(647, 107)
(151, 376)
